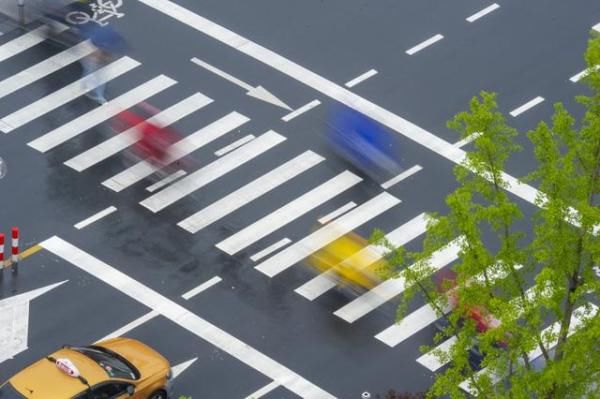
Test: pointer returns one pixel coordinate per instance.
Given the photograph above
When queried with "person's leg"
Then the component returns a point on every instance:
(92, 78)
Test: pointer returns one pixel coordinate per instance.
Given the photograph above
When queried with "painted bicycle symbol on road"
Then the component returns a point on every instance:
(100, 12)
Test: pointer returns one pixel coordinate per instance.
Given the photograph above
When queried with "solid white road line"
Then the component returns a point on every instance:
(402, 235)
(391, 288)
(330, 89)
(338, 212)
(133, 325)
(361, 78)
(404, 175)
(95, 217)
(263, 391)
(577, 77)
(234, 145)
(68, 93)
(249, 192)
(301, 110)
(184, 318)
(98, 115)
(166, 181)
(202, 287)
(431, 360)
(289, 212)
(24, 42)
(123, 140)
(270, 249)
(44, 68)
(326, 234)
(180, 149)
(483, 12)
(212, 171)
(528, 105)
(466, 140)
(424, 44)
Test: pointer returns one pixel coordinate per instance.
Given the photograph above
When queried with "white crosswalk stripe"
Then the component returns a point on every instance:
(24, 42)
(212, 171)
(183, 147)
(431, 360)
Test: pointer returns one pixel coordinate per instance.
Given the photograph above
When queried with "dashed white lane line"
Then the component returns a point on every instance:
(301, 110)
(338, 212)
(361, 78)
(467, 140)
(577, 77)
(263, 391)
(424, 44)
(483, 12)
(166, 181)
(186, 319)
(234, 145)
(402, 176)
(527, 106)
(202, 287)
(596, 27)
(270, 249)
(95, 218)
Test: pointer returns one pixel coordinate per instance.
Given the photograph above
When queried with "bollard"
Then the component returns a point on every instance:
(15, 250)
(1, 256)
(21, 5)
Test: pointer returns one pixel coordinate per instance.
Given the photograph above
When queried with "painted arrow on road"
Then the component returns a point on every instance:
(14, 321)
(181, 367)
(258, 92)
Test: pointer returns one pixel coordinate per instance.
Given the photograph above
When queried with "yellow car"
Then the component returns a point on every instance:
(115, 368)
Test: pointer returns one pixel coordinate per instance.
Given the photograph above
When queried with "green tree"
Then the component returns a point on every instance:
(538, 286)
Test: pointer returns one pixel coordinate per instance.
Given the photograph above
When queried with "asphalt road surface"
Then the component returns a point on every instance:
(209, 268)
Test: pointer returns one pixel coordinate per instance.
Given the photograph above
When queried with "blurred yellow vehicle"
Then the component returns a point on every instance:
(350, 261)
(115, 368)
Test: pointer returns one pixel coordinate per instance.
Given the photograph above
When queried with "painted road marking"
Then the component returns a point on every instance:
(424, 44)
(404, 175)
(181, 367)
(24, 42)
(212, 171)
(202, 287)
(289, 212)
(596, 27)
(483, 12)
(68, 93)
(249, 192)
(234, 145)
(98, 115)
(338, 212)
(25, 254)
(95, 218)
(130, 326)
(166, 181)
(467, 140)
(528, 105)
(577, 77)
(132, 135)
(431, 360)
(391, 288)
(326, 234)
(402, 235)
(301, 110)
(45, 68)
(361, 78)
(270, 249)
(184, 318)
(179, 150)
(263, 391)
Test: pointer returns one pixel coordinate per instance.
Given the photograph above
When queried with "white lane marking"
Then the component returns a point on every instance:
(184, 318)
(131, 326)
(166, 181)
(24, 42)
(95, 218)
(202, 287)
(338, 212)
(212, 171)
(289, 212)
(123, 140)
(98, 115)
(361, 78)
(424, 44)
(404, 175)
(180, 149)
(270, 249)
(326, 234)
(301, 110)
(234, 145)
(68, 93)
(431, 359)
(330, 89)
(44, 68)
(528, 105)
(263, 391)
(467, 140)
(577, 77)
(483, 12)
(389, 289)
(181, 367)
(249, 192)
(402, 235)
(551, 340)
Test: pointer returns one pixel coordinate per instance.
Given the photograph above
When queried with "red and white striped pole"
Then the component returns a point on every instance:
(15, 249)
(1, 255)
